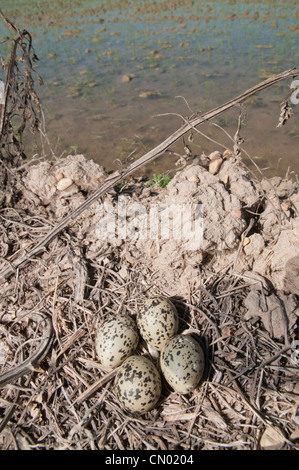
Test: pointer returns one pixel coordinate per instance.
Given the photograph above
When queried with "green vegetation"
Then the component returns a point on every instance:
(162, 180)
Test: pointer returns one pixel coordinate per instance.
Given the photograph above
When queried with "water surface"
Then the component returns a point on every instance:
(207, 52)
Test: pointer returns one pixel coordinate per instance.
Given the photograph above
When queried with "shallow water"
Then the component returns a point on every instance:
(207, 52)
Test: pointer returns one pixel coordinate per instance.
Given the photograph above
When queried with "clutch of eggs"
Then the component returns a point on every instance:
(138, 382)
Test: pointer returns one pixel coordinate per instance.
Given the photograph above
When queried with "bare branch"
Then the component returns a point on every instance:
(20, 98)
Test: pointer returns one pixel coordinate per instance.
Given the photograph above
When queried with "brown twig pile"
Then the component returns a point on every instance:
(249, 390)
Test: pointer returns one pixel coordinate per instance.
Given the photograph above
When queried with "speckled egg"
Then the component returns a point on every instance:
(182, 363)
(116, 339)
(138, 384)
(157, 321)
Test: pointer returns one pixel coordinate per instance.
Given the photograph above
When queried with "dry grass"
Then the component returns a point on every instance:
(68, 401)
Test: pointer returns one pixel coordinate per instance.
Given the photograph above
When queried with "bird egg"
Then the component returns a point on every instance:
(182, 363)
(157, 321)
(116, 339)
(138, 384)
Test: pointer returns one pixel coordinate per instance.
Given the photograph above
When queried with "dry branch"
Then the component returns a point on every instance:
(20, 99)
(118, 176)
(33, 361)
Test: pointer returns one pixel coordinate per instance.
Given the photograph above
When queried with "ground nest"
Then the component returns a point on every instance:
(238, 293)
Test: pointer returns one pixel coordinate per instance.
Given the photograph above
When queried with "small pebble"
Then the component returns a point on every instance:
(59, 176)
(237, 213)
(214, 155)
(225, 179)
(193, 179)
(227, 154)
(246, 241)
(214, 165)
(64, 183)
(128, 77)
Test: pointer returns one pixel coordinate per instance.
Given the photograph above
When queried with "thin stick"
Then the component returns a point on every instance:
(118, 176)
(33, 361)
(8, 84)
(95, 386)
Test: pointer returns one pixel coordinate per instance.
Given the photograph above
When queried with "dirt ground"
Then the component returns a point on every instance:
(237, 291)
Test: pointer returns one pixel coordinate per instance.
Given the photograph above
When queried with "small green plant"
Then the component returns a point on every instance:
(162, 180)
(119, 187)
(294, 132)
(73, 149)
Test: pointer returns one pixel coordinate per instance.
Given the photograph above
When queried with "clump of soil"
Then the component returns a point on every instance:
(237, 290)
